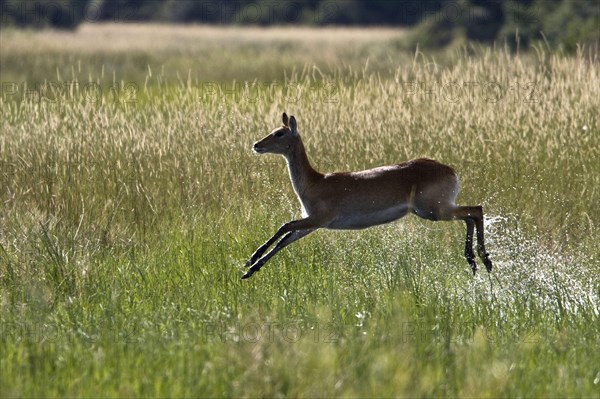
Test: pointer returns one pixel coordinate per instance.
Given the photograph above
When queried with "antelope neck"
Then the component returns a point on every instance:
(301, 172)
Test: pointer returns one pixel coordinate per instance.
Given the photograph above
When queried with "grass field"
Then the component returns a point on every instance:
(130, 200)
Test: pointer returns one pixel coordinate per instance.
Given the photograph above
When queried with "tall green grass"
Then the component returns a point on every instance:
(127, 215)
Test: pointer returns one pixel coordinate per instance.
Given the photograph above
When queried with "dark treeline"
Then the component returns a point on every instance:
(559, 22)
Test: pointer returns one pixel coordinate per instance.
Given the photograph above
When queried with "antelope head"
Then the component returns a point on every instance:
(281, 140)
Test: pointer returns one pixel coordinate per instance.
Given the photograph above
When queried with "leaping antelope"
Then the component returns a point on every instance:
(356, 200)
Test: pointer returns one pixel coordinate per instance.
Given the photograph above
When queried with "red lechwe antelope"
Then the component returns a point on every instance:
(356, 200)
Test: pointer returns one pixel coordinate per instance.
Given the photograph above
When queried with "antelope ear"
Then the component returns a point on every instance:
(293, 125)
(285, 120)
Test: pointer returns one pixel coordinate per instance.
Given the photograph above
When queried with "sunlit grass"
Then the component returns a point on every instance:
(206, 53)
(126, 218)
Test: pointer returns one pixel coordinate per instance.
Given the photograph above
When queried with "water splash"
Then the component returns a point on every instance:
(525, 271)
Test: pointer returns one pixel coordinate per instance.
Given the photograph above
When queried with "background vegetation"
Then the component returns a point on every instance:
(130, 200)
(559, 23)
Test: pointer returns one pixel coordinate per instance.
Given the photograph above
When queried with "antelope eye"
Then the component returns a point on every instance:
(279, 134)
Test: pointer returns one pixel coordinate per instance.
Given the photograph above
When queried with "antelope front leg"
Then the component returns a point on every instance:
(287, 239)
(261, 250)
(302, 224)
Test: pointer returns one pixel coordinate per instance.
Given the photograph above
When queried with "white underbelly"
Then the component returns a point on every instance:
(366, 219)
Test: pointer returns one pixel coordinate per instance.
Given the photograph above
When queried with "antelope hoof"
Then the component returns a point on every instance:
(488, 263)
(245, 276)
(471, 262)
(250, 272)
(474, 268)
